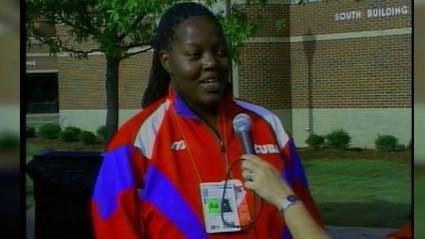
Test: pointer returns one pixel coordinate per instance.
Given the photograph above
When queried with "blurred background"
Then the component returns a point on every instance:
(9, 118)
(419, 116)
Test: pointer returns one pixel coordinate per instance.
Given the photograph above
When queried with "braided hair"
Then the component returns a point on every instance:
(159, 79)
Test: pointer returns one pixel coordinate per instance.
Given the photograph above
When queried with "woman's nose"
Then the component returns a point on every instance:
(210, 60)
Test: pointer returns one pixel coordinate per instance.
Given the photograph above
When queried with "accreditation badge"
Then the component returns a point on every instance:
(211, 196)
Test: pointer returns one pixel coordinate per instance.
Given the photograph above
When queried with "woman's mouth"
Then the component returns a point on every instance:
(212, 84)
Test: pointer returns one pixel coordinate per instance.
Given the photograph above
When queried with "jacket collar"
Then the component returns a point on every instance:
(182, 109)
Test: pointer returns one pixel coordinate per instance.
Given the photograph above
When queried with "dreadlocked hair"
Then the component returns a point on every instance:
(159, 79)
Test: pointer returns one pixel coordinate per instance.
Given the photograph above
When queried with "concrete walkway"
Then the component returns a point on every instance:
(358, 232)
(30, 232)
(335, 232)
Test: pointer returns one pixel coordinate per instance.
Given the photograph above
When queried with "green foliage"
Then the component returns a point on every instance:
(315, 141)
(70, 134)
(280, 24)
(9, 141)
(114, 24)
(30, 132)
(117, 25)
(388, 143)
(87, 137)
(237, 29)
(102, 132)
(338, 139)
(49, 131)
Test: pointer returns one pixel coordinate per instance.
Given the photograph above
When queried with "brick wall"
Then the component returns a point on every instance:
(63, 32)
(41, 63)
(264, 75)
(269, 14)
(136, 72)
(345, 73)
(419, 56)
(36, 47)
(354, 73)
(319, 18)
(363, 72)
(82, 82)
(41, 60)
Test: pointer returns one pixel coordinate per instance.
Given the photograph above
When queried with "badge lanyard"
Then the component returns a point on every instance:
(195, 167)
(228, 168)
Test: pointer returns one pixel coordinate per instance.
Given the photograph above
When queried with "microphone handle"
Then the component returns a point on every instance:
(246, 142)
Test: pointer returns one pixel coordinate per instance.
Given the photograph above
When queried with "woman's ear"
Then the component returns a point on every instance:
(164, 59)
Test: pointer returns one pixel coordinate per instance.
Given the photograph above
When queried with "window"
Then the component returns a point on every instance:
(42, 93)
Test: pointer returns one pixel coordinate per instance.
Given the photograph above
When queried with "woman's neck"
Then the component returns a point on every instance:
(208, 114)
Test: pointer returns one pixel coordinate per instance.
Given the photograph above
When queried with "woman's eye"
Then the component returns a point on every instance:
(193, 53)
(222, 52)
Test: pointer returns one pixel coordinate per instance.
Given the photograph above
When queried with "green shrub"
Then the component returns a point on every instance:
(400, 147)
(388, 143)
(49, 131)
(338, 139)
(30, 132)
(70, 134)
(315, 141)
(102, 131)
(9, 141)
(87, 137)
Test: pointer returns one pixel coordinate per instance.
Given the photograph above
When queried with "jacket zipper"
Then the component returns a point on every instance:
(221, 146)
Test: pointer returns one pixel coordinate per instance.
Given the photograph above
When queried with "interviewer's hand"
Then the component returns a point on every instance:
(264, 179)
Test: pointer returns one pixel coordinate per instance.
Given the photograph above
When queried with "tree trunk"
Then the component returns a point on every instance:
(112, 75)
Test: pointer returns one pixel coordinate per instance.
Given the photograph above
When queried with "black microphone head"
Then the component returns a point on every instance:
(242, 123)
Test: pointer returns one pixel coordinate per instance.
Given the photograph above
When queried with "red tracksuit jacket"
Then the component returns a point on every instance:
(148, 184)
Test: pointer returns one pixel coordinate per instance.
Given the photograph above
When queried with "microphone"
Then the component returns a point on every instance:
(242, 126)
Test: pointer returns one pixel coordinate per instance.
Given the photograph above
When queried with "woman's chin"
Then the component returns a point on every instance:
(211, 100)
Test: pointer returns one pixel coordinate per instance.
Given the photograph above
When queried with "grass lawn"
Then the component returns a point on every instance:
(419, 207)
(33, 149)
(361, 192)
(367, 192)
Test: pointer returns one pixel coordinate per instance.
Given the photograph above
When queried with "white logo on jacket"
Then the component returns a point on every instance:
(178, 145)
(266, 149)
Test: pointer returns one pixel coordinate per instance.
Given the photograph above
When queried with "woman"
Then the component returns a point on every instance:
(182, 143)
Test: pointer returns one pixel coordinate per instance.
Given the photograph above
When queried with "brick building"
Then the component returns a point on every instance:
(337, 64)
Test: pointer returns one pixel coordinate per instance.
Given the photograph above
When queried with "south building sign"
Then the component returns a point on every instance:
(371, 13)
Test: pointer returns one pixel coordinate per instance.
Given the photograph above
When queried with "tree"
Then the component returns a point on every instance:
(119, 29)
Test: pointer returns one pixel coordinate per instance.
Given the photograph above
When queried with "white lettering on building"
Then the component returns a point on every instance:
(351, 15)
(371, 13)
(387, 12)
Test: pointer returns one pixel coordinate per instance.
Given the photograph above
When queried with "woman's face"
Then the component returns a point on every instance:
(197, 62)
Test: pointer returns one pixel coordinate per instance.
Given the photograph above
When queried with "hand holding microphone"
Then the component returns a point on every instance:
(242, 126)
(259, 175)
(264, 179)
